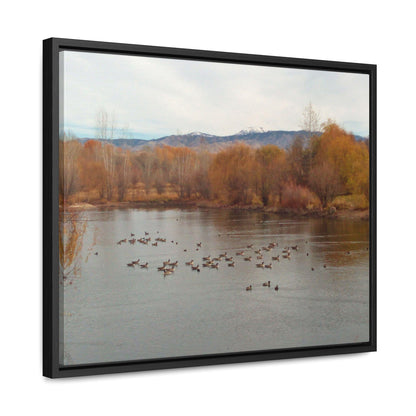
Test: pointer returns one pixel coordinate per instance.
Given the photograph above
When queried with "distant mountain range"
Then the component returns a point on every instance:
(253, 137)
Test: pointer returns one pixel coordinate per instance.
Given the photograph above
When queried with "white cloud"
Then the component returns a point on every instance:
(155, 97)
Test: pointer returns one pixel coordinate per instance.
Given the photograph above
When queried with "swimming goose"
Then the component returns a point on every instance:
(249, 287)
(231, 264)
(268, 266)
(275, 258)
(261, 265)
(144, 266)
(189, 263)
(247, 258)
(266, 284)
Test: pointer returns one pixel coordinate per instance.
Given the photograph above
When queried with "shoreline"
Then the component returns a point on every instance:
(357, 214)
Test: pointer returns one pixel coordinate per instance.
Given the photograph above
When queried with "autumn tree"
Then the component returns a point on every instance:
(123, 173)
(183, 168)
(349, 157)
(231, 174)
(69, 151)
(324, 181)
(269, 171)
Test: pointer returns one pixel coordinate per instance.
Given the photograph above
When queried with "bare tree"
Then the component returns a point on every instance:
(105, 132)
(310, 121)
(69, 150)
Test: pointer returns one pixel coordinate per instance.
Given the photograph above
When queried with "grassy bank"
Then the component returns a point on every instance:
(352, 207)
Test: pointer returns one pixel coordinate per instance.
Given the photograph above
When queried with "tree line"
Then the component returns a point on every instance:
(313, 171)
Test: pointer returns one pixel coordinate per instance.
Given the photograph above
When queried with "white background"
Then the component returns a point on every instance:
(372, 32)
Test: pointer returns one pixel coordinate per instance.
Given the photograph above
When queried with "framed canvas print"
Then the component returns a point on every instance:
(204, 207)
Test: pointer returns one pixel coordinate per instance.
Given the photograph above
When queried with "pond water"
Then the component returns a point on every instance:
(113, 312)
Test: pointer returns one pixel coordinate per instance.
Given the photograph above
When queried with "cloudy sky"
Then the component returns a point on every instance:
(154, 97)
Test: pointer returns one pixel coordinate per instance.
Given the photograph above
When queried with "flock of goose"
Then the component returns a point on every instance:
(249, 254)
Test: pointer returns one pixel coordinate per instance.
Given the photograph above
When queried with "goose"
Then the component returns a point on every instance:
(275, 258)
(146, 233)
(294, 247)
(260, 257)
(266, 284)
(130, 264)
(240, 253)
(268, 266)
(136, 261)
(229, 259)
(312, 269)
(206, 265)
(154, 244)
(165, 263)
(131, 235)
(199, 244)
(195, 267)
(162, 268)
(231, 264)
(175, 263)
(189, 263)
(257, 251)
(167, 273)
(247, 258)
(249, 287)
(261, 265)
(276, 288)
(214, 266)
(144, 266)
(250, 246)
(216, 259)
(206, 258)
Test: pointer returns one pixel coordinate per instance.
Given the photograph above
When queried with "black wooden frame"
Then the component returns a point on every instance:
(51, 49)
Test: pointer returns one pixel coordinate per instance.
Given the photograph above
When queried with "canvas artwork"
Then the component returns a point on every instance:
(210, 208)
